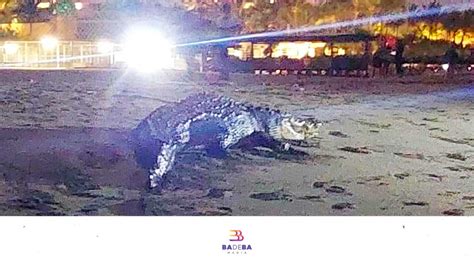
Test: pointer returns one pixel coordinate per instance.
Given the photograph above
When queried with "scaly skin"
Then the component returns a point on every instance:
(208, 120)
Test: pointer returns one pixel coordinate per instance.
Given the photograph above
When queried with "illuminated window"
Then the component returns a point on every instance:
(43, 5)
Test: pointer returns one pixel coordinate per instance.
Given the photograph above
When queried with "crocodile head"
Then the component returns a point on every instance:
(292, 128)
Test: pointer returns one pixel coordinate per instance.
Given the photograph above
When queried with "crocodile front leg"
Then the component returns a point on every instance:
(164, 163)
(279, 149)
(261, 139)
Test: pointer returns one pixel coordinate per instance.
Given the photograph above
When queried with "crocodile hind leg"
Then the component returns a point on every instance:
(215, 150)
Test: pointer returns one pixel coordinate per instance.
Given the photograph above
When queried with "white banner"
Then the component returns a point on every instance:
(236, 239)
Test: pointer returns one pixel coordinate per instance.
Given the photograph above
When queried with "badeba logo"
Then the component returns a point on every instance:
(237, 234)
(233, 247)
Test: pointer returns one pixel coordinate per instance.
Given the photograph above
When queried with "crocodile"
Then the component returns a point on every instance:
(215, 123)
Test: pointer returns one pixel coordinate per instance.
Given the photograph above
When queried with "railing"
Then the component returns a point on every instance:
(50, 53)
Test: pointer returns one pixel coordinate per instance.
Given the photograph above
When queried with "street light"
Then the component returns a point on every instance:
(147, 51)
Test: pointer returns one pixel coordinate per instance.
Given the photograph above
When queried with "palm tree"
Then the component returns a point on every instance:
(7, 10)
(259, 17)
(433, 19)
(299, 13)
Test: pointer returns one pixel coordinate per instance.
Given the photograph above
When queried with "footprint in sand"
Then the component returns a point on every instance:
(411, 155)
(402, 175)
(415, 203)
(358, 150)
(272, 196)
(454, 212)
(336, 189)
(338, 134)
(456, 156)
(342, 206)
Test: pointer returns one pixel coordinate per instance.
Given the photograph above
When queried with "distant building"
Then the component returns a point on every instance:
(442, 2)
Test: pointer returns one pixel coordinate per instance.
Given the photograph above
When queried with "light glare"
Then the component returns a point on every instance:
(147, 51)
(78, 5)
(10, 48)
(105, 47)
(49, 43)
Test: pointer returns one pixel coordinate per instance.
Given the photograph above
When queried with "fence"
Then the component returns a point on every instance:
(50, 53)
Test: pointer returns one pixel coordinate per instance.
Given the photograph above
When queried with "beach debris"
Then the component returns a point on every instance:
(430, 119)
(454, 212)
(271, 196)
(335, 189)
(464, 141)
(401, 175)
(410, 155)
(374, 125)
(319, 184)
(215, 212)
(415, 203)
(225, 209)
(358, 150)
(363, 180)
(344, 205)
(435, 177)
(310, 197)
(456, 156)
(466, 168)
(452, 168)
(338, 134)
(437, 129)
(449, 193)
(468, 198)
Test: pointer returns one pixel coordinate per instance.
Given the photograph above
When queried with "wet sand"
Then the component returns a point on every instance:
(388, 147)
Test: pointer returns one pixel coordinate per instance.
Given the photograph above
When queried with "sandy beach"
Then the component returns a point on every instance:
(389, 146)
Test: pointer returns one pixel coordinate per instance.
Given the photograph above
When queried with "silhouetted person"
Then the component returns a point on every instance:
(386, 60)
(268, 51)
(399, 48)
(222, 63)
(451, 57)
(381, 60)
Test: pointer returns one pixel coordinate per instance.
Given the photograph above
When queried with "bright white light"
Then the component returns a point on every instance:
(445, 67)
(105, 47)
(49, 43)
(147, 51)
(469, 68)
(78, 5)
(10, 48)
(43, 5)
